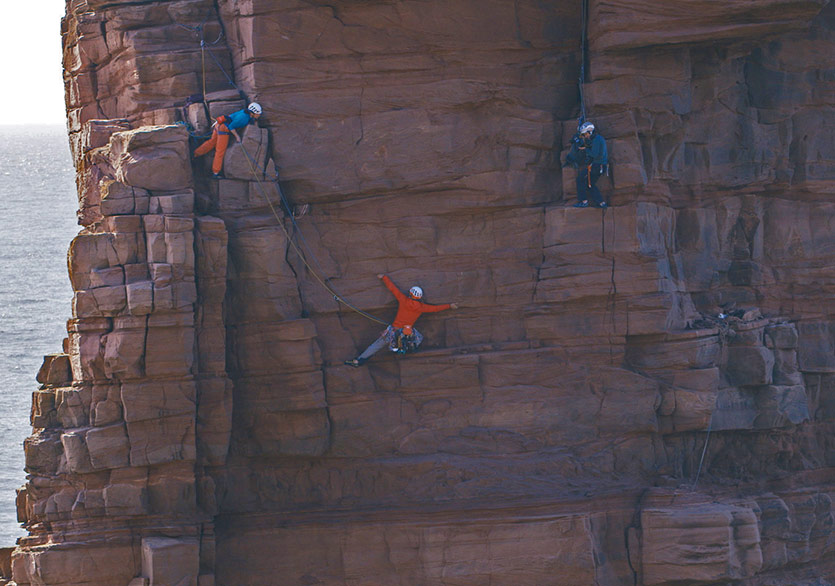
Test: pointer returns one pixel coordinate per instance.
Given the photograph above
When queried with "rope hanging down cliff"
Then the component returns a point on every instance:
(337, 297)
(254, 168)
(584, 19)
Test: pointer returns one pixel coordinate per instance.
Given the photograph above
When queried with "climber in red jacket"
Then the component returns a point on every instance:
(401, 335)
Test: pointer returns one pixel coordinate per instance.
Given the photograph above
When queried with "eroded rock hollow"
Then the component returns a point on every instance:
(638, 395)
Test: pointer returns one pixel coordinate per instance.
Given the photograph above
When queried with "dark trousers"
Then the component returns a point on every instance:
(584, 192)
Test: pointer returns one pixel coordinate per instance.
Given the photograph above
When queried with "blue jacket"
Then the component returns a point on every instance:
(596, 152)
(238, 119)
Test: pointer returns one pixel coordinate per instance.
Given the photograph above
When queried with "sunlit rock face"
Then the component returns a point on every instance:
(641, 395)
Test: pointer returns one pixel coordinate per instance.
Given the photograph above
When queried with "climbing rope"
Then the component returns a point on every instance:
(253, 165)
(199, 30)
(203, 64)
(704, 450)
(229, 79)
(337, 297)
(584, 10)
(191, 131)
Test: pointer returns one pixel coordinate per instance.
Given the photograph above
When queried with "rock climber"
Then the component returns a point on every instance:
(221, 129)
(401, 335)
(589, 156)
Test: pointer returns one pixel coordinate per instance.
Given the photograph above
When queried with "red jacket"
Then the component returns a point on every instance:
(409, 309)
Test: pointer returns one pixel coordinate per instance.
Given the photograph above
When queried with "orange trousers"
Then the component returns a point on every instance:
(219, 141)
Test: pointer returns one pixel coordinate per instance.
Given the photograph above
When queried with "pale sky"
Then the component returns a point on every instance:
(30, 63)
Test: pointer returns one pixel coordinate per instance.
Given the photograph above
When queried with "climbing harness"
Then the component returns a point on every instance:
(401, 340)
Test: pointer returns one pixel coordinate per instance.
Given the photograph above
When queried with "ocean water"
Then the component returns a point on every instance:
(37, 223)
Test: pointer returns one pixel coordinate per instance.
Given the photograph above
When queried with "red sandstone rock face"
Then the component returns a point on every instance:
(586, 417)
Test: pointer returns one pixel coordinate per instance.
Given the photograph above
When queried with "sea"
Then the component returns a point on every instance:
(37, 222)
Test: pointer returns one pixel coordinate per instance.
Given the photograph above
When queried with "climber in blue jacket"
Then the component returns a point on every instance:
(590, 157)
(224, 127)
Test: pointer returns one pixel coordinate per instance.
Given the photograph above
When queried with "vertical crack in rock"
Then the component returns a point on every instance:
(288, 249)
(335, 13)
(519, 36)
(362, 125)
(631, 537)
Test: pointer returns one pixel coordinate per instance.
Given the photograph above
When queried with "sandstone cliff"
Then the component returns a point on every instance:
(644, 395)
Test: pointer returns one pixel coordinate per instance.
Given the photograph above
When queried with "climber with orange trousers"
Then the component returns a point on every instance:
(222, 128)
(401, 335)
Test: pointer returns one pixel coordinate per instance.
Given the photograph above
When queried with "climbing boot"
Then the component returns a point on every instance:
(356, 362)
(603, 205)
(582, 204)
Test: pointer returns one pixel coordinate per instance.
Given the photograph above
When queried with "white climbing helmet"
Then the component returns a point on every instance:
(254, 107)
(416, 292)
(587, 127)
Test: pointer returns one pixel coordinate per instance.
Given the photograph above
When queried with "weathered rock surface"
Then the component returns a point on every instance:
(641, 396)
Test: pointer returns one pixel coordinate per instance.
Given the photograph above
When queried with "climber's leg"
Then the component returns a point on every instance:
(582, 187)
(377, 345)
(594, 191)
(220, 148)
(207, 146)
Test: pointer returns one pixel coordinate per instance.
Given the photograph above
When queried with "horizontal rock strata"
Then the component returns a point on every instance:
(639, 395)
